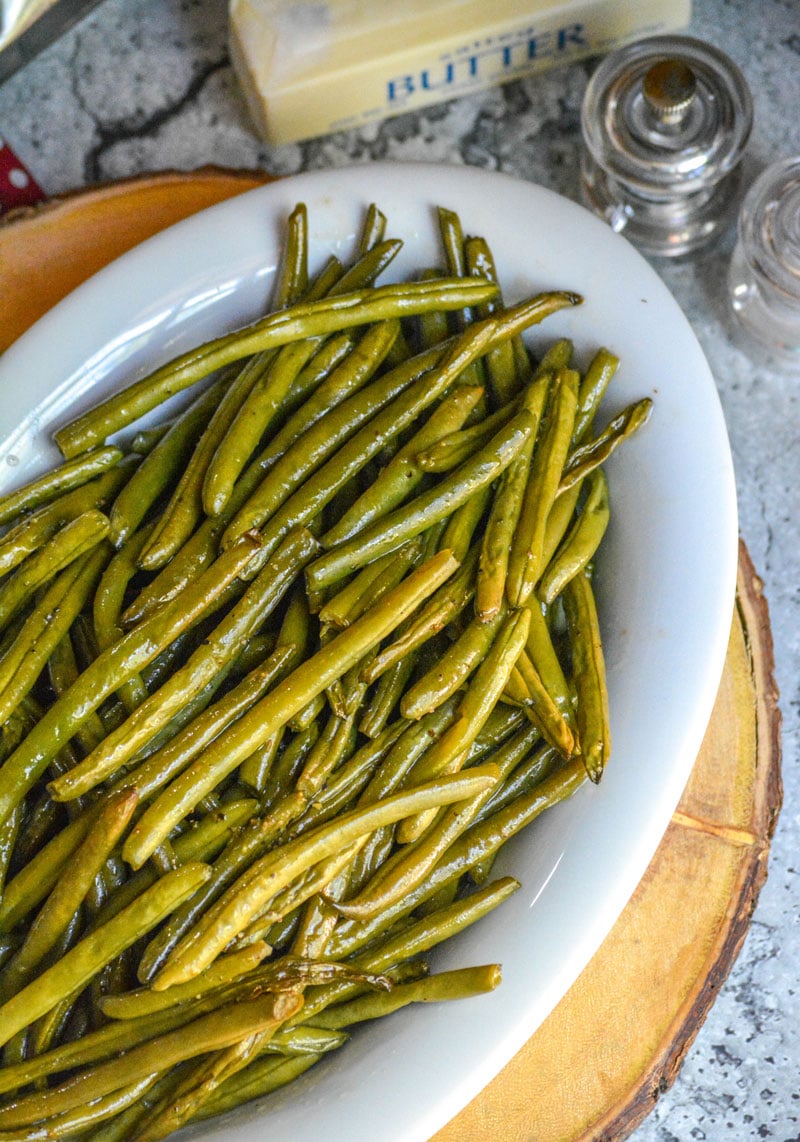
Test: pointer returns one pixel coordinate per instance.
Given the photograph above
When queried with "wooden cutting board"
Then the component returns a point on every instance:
(595, 1068)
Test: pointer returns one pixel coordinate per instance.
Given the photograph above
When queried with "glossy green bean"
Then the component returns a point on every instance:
(71, 541)
(441, 501)
(55, 482)
(145, 1001)
(114, 666)
(449, 753)
(279, 868)
(479, 842)
(208, 662)
(443, 607)
(595, 452)
(525, 559)
(287, 699)
(543, 708)
(581, 542)
(34, 880)
(311, 319)
(162, 467)
(74, 1123)
(87, 957)
(459, 983)
(403, 475)
(589, 674)
(28, 535)
(593, 386)
(451, 670)
(68, 894)
(291, 280)
(47, 624)
(209, 1032)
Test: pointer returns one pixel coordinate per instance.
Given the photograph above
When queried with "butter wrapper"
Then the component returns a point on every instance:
(312, 67)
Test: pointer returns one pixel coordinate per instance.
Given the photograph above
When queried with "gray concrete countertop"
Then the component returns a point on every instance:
(146, 85)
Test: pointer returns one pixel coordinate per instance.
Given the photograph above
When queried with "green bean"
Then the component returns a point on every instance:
(542, 654)
(373, 229)
(534, 769)
(582, 541)
(8, 838)
(113, 667)
(592, 389)
(451, 670)
(403, 474)
(77, 967)
(431, 327)
(57, 481)
(479, 842)
(208, 662)
(73, 1123)
(500, 363)
(244, 847)
(145, 1001)
(550, 453)
(543, 708)
(287, 699)
(291, 280)
(411, 863)
(350, 375)
(209, 1032)
(47, 624)
(386, 695)
(162, 467)
(311, 319)
(364, 592)
(559, 519)
(447, 453)
(184, 510)
(589, 674)
(62, 670)
(253, 417)
(420, 936)
(202, 841)
(33, 530)
(490, 588)
(144, 441)
(459, 983)
(321, 439)
(35, 879)
(259, 1078)
(350, 779)
(442, 608)
(71, 541)
(595, 452)
(449, 753)
(275, 871)
(108, 603)
(65, 899)
(327, 359)
(405, 522)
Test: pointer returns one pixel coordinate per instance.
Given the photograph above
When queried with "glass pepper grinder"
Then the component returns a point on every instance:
(665, 122)
(764, 273)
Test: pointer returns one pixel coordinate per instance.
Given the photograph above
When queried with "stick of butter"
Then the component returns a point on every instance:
(311, 67)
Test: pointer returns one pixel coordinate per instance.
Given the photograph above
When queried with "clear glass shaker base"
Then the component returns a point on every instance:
(660, 228)
(764, 273)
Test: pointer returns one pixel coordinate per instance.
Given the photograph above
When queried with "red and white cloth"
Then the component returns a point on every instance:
(18, 187)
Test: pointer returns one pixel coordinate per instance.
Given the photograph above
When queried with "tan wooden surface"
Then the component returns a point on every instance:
(595, 1068)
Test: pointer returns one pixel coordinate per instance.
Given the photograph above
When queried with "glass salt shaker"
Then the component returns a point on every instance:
(764, 273)
(665, 122)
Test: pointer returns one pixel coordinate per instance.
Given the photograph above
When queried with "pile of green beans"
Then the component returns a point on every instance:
(280, 673)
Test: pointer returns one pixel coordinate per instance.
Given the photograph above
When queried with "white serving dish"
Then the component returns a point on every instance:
(666, 579)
